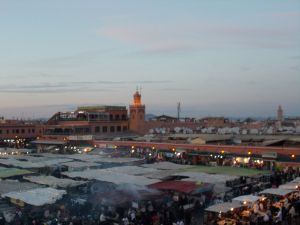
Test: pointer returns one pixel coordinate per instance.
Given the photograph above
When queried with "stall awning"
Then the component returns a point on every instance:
(224, 207)
(246, 198)
(180, 186)
(290, 186)
(276, 191)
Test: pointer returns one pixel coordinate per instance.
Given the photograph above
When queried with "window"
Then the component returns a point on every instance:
(112, 129)
(97, 129)
(104, 129)
(119, 128)
(0, 131)
(124, 128)
(23, 131)
(33, 130)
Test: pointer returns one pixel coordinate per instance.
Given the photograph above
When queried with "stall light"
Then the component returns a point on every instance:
(222, 151)
(211, 155)
(153, 148)
(221, 157)
(293, 156)
(173, 149)
(132, 151)
(95, 146)
(231, 209)
(132, 147)
(249, 153)
(245, 203)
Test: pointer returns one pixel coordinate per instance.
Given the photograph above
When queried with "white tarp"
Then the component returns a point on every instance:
(276, 191)
(246, 198)
(37, 197)
(53, 181)
(224, 207)
(112, 177)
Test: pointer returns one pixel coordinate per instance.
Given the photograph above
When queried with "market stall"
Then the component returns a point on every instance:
(222, 213)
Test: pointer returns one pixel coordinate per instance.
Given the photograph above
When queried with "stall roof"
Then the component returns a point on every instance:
(112, 177)
(11, 172)
(166, 166)
(132, 170)
(205, 177)
(78, 164)
(289, 186)
(276, 191)
(247, 198)
(297, 179)
(53, 181)
(224, 207)
(177, 185)
(28, 164)
(37, 197)
(7, 186)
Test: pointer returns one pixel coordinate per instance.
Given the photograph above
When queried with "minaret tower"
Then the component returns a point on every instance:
(137, 114)
(280, 114)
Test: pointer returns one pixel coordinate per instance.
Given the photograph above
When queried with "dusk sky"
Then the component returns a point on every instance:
(218, 58)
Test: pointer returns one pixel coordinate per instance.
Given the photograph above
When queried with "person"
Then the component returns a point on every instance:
(292, 215)
(102, 218)
(278, 217)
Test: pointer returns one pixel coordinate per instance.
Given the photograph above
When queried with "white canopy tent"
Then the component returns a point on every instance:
(276, 191)
(245, 199)
(224, 207)
(289, 186)
(37, 197)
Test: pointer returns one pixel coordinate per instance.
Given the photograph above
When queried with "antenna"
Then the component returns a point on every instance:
(140, 90)
(178, 110)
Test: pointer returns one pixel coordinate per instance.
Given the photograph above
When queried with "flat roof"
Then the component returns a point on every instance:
(102, 107)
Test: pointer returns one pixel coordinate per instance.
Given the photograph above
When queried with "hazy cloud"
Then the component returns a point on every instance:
(191, 37)
(78, 86)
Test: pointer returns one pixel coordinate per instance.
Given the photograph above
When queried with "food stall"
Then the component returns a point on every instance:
(248, 200)
(222, 213)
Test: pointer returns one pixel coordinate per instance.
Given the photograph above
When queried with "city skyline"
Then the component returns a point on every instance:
(216, 58)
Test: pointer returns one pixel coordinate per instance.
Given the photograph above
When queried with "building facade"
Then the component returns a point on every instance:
(87, 121)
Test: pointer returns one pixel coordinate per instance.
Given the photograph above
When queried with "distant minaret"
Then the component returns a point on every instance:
(280, 113)
(178, 110)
